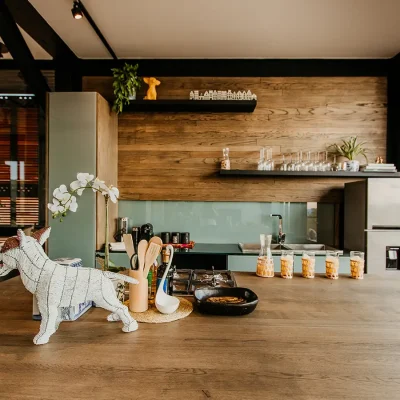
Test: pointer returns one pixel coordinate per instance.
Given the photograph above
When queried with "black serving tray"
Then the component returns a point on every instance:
(201, 295)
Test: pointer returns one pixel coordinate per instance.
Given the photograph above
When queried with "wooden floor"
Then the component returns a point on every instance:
(307, 339)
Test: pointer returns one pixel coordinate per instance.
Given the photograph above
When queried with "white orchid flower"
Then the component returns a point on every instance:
(61, 193)
(80, 184)
(73, 205)
(113, 192)
(55, 207)
(99, 185)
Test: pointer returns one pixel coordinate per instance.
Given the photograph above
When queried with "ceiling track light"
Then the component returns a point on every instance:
(76, 10)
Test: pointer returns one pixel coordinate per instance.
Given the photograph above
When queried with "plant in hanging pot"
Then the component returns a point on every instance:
(350, 149)
(126, 82)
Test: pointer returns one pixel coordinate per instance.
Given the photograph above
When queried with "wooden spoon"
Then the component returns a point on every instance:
(156, 240)
(142, 249)
(154, 249)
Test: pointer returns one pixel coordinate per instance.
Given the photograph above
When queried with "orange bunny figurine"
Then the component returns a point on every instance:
(151, 91)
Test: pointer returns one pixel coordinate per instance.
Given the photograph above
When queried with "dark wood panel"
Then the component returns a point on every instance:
(176, 156)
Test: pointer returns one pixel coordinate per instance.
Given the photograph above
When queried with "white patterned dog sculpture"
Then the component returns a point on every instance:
(58, 286)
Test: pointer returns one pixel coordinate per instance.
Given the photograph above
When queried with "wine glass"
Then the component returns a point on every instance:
(297, 165)
(310, 164)
(291, 165)
(284, 165)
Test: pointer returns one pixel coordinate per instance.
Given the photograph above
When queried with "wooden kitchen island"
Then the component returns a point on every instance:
(307, 339)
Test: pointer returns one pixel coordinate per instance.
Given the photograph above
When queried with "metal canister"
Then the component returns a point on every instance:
(185, 237)
(175, 237)
(166, 237)
(123, 226)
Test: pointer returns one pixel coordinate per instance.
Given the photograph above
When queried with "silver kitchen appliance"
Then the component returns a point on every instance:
(372, 222)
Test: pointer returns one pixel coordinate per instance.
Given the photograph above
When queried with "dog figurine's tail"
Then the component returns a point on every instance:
(125, 278)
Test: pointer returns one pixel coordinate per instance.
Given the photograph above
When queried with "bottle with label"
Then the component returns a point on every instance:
(265, 262)
(225, 163)
(170, 278)
(165, 254)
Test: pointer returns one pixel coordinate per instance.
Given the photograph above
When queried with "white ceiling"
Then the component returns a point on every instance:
(230, 28)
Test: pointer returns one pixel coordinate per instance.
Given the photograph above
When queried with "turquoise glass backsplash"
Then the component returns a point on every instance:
(223, 222)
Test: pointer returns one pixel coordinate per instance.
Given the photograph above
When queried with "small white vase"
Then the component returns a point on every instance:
(133, 94)
(352, 166)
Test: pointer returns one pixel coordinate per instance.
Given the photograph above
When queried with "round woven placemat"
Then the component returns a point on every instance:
(153, 316)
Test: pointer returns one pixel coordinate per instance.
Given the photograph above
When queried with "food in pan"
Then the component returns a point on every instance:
(226, 300)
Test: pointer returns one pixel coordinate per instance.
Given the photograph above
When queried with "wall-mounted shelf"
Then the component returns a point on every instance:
(303, 174)
(211, 106)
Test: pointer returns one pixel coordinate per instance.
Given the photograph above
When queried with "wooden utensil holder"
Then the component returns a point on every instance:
(138, 294)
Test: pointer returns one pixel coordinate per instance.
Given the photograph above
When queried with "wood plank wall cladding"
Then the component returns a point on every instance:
(176, 156)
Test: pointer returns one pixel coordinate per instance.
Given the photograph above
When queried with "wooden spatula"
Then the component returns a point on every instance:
(142, 249)
(129, 245)
(151, 255)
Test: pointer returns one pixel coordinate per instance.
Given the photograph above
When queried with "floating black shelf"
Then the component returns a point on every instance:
(303, 174)
(212, 106)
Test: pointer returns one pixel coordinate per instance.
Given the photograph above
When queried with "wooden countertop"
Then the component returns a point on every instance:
(307, 339)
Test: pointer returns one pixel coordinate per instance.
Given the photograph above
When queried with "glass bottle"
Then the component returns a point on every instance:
(260, 165)
(225, 163)
(165, 254)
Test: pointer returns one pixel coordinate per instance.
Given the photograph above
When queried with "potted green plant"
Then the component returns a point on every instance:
(350, 149)
(126, 82)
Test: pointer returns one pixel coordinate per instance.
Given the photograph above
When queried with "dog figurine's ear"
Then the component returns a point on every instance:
(21, 237)
(146, 80)
(157, 82)
(42, 235)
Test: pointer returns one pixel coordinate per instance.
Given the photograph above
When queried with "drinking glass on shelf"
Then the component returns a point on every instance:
(291, 165)
(287, 262)
(297, 165)
(315, 166)
(327, 164)
(303, 164)
(308, 264)
(309, 164)
(260, 165)
(332, 264)
(284, 165)
(357, 264)
(271, 160)
(269, 164)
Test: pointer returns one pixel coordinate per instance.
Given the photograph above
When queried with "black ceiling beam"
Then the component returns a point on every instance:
(22, 56)
(242, 67)
(229, 67)
(393, 112)
(97, 30)
(9, 64)
(26, 16)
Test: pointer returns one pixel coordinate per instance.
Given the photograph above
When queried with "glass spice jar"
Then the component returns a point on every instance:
(357, 264)
(308, 265)
(287, 262)
(332, 264)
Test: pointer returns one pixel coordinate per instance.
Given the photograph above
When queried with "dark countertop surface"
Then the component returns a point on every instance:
(227, 249)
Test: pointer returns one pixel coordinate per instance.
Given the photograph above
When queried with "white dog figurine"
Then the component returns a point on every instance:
(58, 286)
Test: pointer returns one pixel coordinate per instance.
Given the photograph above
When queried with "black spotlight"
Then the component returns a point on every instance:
(76, 10)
